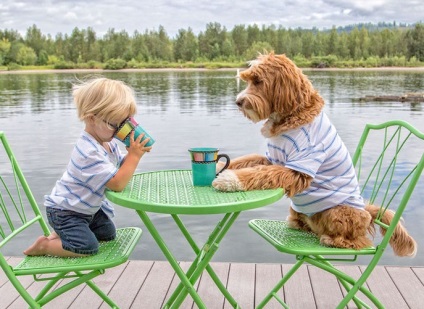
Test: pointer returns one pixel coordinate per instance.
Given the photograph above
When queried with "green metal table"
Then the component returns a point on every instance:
(172, 192)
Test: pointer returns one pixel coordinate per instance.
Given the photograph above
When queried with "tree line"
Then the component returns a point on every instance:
(359, 46)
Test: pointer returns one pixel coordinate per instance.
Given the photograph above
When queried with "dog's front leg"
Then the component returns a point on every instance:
(244, 161)
(248, 161)
(262, 177)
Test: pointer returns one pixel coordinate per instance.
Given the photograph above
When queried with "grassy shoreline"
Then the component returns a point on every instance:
(38, 71)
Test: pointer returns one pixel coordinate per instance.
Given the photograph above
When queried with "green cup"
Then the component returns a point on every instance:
(203, 165)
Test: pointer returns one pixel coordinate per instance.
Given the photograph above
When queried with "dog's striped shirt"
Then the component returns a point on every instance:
(318, 151)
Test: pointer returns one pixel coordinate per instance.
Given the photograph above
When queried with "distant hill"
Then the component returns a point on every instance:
(375, 27)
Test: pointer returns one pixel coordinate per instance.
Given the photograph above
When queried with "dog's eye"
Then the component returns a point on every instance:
(256, 81)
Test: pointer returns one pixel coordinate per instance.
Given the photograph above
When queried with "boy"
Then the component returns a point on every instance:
(76, 208)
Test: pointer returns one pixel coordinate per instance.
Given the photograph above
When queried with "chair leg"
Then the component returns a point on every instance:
(49, 285)
(279, 285)
(82, 278)
(359, 286)
(102, 294)
(344, 279)
(23, 293)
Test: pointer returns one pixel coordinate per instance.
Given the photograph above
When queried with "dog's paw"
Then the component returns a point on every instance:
(227, 181)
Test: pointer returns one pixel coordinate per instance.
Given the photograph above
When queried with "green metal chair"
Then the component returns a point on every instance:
(20, 215)
(389, 161)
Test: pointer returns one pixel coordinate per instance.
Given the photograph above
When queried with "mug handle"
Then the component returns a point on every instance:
(226, 164)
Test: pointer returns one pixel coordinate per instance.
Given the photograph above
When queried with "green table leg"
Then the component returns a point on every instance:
(203, 258)
(184, 280)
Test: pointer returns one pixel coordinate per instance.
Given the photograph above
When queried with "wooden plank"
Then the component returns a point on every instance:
(88, 298)
(210, 294)
(298, 290)
(241, 285)
(3, 277)
(129, 283)
(155, 287)
(419, 272)
(325, 287)
(354, 272)
(145, 284)
(65, 300)
(382, 286)
(188, 301)
(8, 292)
(409, 285)
(34, 289)
(267, 276)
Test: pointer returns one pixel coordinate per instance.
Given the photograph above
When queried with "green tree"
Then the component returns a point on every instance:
(43, 57)
(210, 41)
(26, 56)
(253, 34)
(415, 42)
(159, 45)
(76, 43)
(282, 39)
(4, 49)
(332, 42)
(227, 48)
(185, 46)
(10, 35)
(365, 43)
(354, 44)
(343, 46)
(239, 36)
(294, 44)
(308, 44)
(91, 46)
(139, 47)
(390, 42)
(257, 48)
(116, 45)
(35, 39)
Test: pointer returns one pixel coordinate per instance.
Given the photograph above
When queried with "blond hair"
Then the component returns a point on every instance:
(111, 100)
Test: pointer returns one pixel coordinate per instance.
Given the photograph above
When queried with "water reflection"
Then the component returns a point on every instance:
(184, 109)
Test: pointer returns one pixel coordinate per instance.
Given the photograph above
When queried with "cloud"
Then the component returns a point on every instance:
(63, 16)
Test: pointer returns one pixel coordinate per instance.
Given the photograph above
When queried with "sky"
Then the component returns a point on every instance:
(62, 16)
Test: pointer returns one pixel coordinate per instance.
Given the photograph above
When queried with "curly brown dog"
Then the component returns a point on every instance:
(306, 157)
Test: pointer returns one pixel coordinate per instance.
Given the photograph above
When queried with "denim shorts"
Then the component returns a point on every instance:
(81, 233)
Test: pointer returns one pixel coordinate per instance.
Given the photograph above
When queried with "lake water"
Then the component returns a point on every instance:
(183, 109)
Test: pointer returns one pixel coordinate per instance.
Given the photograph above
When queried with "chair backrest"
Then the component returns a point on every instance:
(18, 207)
(389, 161)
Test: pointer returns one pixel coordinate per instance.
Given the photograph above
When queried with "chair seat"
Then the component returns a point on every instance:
(111, 253)
(298, 242)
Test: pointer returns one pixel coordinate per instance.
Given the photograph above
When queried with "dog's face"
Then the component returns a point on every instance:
(276, 88)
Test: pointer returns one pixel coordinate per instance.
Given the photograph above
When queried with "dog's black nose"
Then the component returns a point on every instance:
(239, 102)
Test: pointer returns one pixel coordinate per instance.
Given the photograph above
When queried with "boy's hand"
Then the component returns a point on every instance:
(138, 147)
(136, 150)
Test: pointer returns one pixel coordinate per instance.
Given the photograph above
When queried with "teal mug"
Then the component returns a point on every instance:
(126, 127)
(203, 165)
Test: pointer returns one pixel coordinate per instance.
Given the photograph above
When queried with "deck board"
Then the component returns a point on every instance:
(210, 294)
(382, 286)
(298, 290)
(147, 284)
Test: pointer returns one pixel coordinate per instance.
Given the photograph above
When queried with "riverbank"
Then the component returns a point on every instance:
(99, 71)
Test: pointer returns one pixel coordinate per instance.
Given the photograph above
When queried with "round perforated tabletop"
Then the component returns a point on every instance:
(172, 192)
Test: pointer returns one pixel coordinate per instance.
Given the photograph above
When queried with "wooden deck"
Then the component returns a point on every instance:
(146, 284)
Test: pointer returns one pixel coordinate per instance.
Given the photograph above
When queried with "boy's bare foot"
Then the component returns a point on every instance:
(53, 235)
(38, 247)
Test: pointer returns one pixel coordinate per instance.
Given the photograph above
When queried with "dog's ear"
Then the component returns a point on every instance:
(292, 88)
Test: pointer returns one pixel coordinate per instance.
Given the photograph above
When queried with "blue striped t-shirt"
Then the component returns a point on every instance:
(318, 151)
(82, 186)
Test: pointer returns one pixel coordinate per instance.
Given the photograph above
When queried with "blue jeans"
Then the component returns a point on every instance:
(81, 233)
